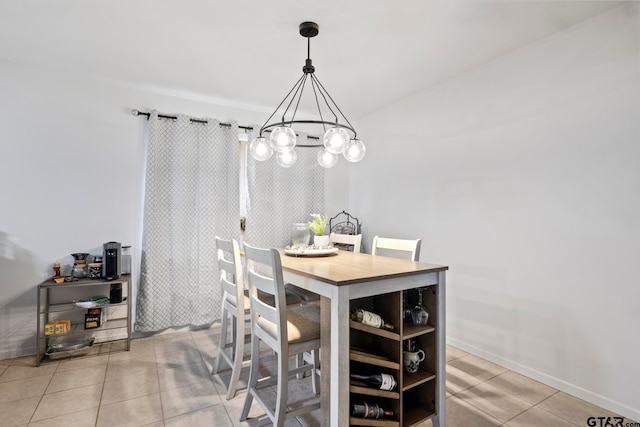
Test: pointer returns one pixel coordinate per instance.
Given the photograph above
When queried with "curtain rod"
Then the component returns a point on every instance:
(166, 116)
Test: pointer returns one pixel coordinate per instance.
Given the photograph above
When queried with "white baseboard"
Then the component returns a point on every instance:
(572, 389)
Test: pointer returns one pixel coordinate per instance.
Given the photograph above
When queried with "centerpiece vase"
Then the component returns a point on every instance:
(321, 241)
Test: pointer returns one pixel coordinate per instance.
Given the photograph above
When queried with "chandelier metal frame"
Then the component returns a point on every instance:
(308, 30)
(324, 103)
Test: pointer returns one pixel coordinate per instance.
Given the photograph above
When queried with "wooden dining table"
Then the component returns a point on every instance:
(344, 276)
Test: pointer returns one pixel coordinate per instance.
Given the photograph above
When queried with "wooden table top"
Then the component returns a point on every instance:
(344, 268)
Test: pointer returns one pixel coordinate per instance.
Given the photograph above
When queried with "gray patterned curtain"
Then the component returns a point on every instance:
(191, 195)
(279, 196)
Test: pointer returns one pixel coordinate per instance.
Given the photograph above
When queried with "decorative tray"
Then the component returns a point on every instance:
(92, 302)
(310, 250)
(70, 348)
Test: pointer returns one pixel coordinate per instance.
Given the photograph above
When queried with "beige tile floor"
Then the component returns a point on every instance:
(165, 381)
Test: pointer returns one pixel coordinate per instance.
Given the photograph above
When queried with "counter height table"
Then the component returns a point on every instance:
(344, 279)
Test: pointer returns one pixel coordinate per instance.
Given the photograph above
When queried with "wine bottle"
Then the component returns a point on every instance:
(407, 311)
(369, 318)
(381, 381)
(370, 410)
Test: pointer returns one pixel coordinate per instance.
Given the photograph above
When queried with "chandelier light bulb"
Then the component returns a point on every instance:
(327, 159)
(335, 140)
(286, 159)
(355, 151)
(282, 139)
(260, 149)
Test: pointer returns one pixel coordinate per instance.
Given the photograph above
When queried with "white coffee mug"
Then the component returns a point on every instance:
(412, 359)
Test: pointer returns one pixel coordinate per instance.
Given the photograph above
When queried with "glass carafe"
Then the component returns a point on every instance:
(126, 260)
(300, 234)
(80, 269)
(420, 316)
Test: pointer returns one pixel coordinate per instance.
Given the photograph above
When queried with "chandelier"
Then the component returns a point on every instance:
(339, 138)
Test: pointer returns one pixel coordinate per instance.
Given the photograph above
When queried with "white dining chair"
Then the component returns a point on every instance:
(286, 330)
(235, 308)
(351, 242)
(389, 246)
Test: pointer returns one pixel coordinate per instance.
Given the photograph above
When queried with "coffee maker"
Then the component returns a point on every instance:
(112, 260)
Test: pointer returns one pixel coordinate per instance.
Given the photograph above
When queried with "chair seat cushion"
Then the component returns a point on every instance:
(232, 300)
(304, 294)
(292, 298)
(303, 324)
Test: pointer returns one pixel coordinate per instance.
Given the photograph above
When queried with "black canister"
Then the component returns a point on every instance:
(115, 294)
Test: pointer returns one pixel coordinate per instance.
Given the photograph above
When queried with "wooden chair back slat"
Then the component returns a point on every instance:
(405, 245)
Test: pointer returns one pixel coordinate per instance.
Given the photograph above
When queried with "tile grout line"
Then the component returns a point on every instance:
(512, 395)
(211, 377)
(155, 359)
(517, 415)
(475, 385)
(552, 413)
(481, 410)
(104, 380)
(44, 392)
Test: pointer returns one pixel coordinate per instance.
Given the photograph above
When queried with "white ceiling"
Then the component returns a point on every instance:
(369, 53)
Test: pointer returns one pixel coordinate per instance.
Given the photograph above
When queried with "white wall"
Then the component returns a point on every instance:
(523, 177)
(71, 176)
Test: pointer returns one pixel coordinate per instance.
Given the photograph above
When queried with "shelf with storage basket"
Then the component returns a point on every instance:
(76, 318)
